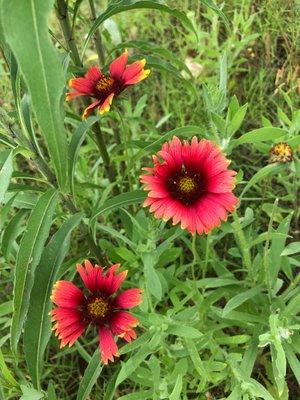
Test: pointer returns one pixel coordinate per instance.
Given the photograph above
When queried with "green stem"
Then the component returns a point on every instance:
(97, 36)
(62, 15)
(243, 245)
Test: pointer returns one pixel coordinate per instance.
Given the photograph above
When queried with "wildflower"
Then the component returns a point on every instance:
(191, 184)
(103, 88)
(281, 152)
(101, 308)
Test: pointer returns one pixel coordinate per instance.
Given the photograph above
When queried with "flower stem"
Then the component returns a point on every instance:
(97, 36)
(62, 15)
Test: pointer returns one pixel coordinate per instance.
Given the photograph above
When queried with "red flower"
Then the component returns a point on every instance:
(102, 87)
(191, 184)
(100, 307)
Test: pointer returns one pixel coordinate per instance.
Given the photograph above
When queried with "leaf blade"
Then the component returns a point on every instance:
(45, 82)
(37, 326)
(28, 257)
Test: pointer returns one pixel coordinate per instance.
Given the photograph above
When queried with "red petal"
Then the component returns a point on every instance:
(105, 106)
(93, 75)
(66, 294)
(107, 345)
(91, 276)
(117, 67)
(128, 299)
(114, 281)
(82, 85)
(73, 336)
(135, 72)
(122, 321)
(89, 109)
(129, 335)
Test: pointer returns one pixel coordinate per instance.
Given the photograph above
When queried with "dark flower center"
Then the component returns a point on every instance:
(186, 186)
(96, 309)
(105, 86)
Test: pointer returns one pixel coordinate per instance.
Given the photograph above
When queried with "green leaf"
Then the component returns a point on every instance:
(175, 395)
(90, 376)
(126, 5)
(12, 231)
(196, 360)
(30, 394)
(239, 299)
(292, 360)
(133, 362)
(121, 200)
(37, 329)
(277, 247)
(5, 372)
(291, 248)
(261, 174)
(237, 119)
(260, 135)
(184, 331)
(76, 142)
(41, 70)
(213, 6)
(256, 389)
(152, 279)
(5, 175)
(28, 257)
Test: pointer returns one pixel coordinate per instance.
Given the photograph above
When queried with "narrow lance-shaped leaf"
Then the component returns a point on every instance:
(90, 377)
(126, 5)
(26, 22)
(5, 175)
(28, 257)
(38, 326)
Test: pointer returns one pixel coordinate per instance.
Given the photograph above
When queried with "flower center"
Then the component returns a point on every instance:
(105, 85)
(186, 186)
(281, 152)
(97, 309)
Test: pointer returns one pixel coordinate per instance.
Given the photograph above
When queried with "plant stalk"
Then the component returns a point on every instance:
(97, 36)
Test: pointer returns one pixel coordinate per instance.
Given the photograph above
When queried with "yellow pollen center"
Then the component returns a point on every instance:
(281, 152)
(282, 149)
(186, 184)
(105, 84)
(98, 308)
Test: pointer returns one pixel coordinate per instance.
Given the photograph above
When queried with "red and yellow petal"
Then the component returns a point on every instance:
(114, 280)
(107, 345)
(129, 298)
(82, 85)
(123, 321)
(117, 67)
(87, 112)
(105, 106)
(66, 294)
(135, 73)
(91, 276)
